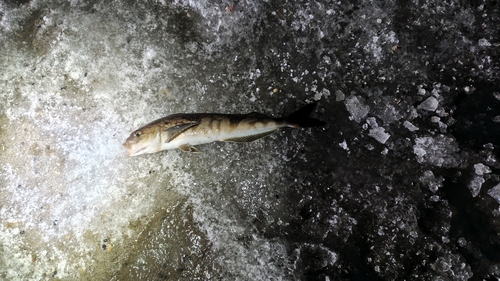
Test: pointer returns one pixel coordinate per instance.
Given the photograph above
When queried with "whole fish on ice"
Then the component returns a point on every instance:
(184, 131)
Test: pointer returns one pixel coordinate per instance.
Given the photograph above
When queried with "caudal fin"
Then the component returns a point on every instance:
(301, 119)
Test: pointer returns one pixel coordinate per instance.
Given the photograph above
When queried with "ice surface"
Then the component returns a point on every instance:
(78, 76)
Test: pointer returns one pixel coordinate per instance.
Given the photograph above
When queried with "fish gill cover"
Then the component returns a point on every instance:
(402, 183)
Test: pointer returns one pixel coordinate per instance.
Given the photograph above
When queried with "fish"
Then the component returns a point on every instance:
(186, 130)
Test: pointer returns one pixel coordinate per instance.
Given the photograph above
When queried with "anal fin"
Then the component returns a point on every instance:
(188, 148)
(250, 138)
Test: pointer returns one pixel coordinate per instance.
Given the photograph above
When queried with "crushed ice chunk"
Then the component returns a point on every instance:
(379, 134)
(496, 95)
(452, 267)
(437, 120)
(481, 169)
(434, 198)
(356, 108)
(432, 182)
(430, 104)
(339, 95)
(324, 93)
(421, 92)
(496, 119)
(344, 145)
(410, 126)
(462, 242)
(372, 122)
(475, 185)
(483, 43)
(439, 151)
(495, 192)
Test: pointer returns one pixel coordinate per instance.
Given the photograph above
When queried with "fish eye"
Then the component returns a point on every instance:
(138, 134)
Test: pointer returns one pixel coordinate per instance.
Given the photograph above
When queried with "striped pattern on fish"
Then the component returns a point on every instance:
(184, 131)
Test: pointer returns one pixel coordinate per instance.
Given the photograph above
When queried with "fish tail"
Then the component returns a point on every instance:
(301, 119)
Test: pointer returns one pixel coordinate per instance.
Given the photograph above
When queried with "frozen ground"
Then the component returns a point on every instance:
(403, 182)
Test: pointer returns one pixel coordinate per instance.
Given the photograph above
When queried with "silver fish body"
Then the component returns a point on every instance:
(184, 131)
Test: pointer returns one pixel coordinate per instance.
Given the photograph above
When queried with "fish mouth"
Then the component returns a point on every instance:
(131, 151)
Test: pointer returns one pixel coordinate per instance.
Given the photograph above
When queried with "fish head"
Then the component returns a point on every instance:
(142, 141)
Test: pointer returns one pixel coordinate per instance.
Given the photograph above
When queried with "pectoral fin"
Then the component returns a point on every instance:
(189, 148)
(176, 130)
(250, 138)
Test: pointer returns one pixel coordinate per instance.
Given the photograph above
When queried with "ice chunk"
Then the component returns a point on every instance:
(410, 126)
(483, 43)
(475, 185)
(430, 104)
(324, 93)
(356, 107)
(379, 134)
(495, 192)
(344, 145)
(452, 267)
(339, 95)
(372, 122)
(439, 151)
(437, 120)
(481, 169)
(429, 179)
